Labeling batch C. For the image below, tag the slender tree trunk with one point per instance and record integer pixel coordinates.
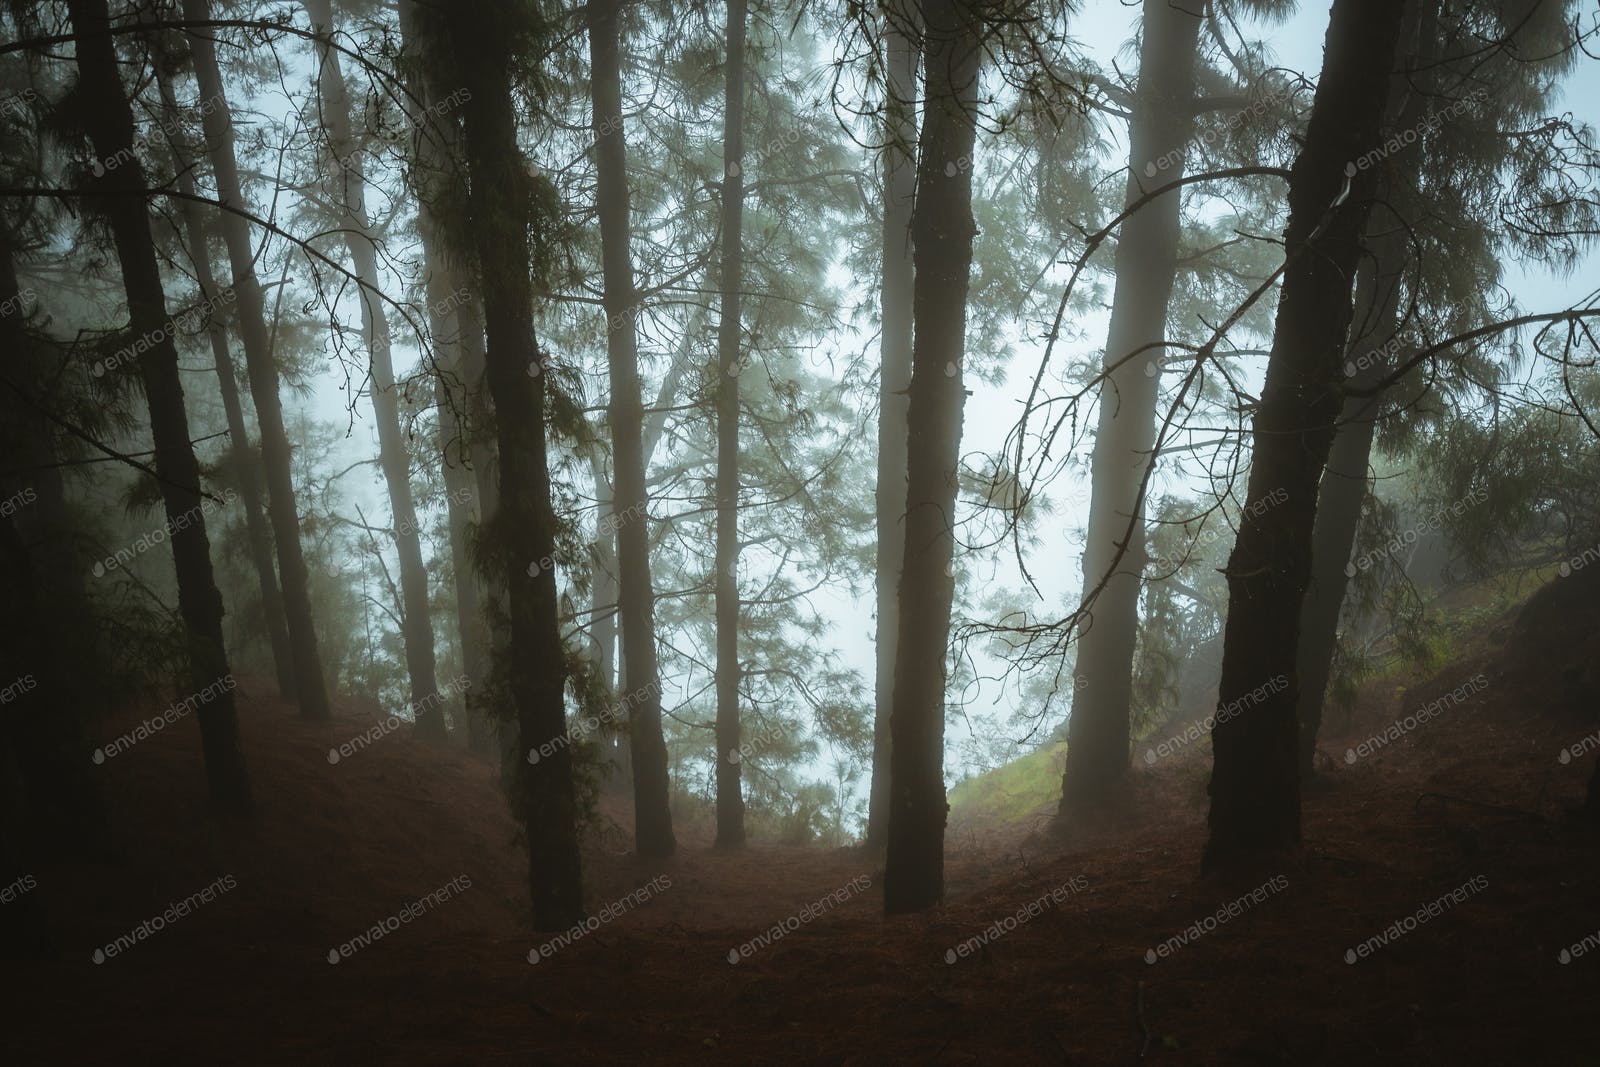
(652, 815)
(455, 457)
(111, 129)
(459, 386)
(349, 193)
(942, 231)
(245, 468)
(902, 47)
(730, 801)
(492, 703)
(1147, 264)
(1255, 782)
(484, 41)
(1369, 354)
(48, 701)
(604, 585)
(603, 592)
(262, 370)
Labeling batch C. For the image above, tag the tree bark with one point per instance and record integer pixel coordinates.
(1369, 353)
(1255, 786)
(262, 371)
(484, 41)
(730, 801)
(111, 129)
(902, 48)
(653, 835)
(349, 194)
(942, 232)
(245, 470)
(1146, 265)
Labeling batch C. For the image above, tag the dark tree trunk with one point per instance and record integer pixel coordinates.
(484, 42)
(1146, 265)
(245, 470)
(652, 816)
(111, 129)
(44, 761)
(262, 370)
(349, 185)
(1255, 782)
(459, 386)
(456, 456)
(902, 47)
(1369, 353)
(730, 801)
(942, 232)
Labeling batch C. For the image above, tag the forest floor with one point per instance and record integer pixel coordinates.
(1474, 802)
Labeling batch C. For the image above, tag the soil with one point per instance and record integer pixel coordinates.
(1474, 802)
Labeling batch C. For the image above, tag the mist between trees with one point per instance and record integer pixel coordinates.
(807, 425)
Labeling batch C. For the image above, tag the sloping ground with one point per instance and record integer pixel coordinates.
(1473, 801)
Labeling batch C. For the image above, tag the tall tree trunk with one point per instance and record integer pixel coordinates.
(484, 41)
(492, 703)
(456, 462)
(730, 801)
(1146, 264)
(942, 230)
(111, 129)
(349, 193)
(44, 760)
(902, 47)
(603, 591)
(245, 469)
(1369, 353)
(604, 585)
(1255, 782)
(652, 816)
(262, 371)
(459, 387)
